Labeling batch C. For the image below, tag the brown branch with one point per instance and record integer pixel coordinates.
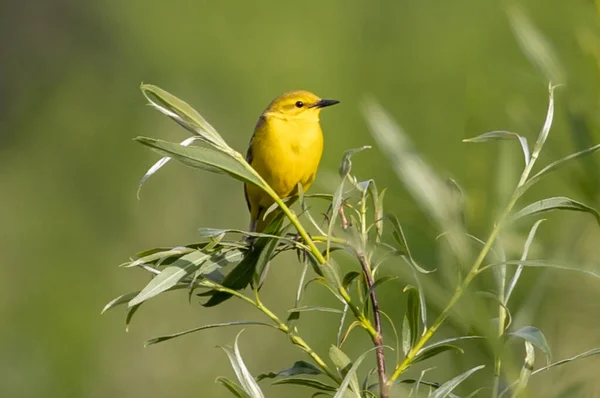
(384, 389)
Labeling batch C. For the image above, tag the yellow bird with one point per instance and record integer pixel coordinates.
(285, 150)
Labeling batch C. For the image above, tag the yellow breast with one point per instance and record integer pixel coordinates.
(285, 152)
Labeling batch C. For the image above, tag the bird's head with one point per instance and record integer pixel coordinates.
(298, 105)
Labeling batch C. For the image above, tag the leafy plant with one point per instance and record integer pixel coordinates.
(355, 223)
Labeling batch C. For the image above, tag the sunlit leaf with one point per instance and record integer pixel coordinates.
(349, 379)
(298, 368)
(517, 274)
(122, 299)
(160, 163)
(445, 389)
(204, 327)
(170, 276)
(555, 203)
(504, 135)
(203, 158)
(160, 255)
(246, 380)
(182, 113)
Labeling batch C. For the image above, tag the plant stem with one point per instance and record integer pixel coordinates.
(292, 335)
(377, 340)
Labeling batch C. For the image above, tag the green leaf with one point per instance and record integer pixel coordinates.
(122, 299)
(343, 363)
(406, 336)
(446, 388)
(351, 379)
(246, 380)
(318, 309)
(160, 163)
(153, 257)
(398, 234)
(346, 163)
(426, 353)
(589, 353)
(348, 278)
(259, 255)
(558, 164)
(233, 387)
(130, 313)
(378, 283)
(555, 203)
(183, 114)
(298, 368)
(542, 264)
(450, 340)
(170, 276)
(503, 135)
(413, 313)
(204, 158)
(204, 327)
(535, 337)
(300, 381)
(517, 274)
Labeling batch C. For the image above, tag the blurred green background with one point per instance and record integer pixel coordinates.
(70, 106)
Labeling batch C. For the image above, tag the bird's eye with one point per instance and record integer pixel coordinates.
(299, 104)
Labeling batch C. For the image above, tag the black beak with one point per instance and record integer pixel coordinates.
(325, 102)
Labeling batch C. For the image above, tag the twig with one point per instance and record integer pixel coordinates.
(377, 340)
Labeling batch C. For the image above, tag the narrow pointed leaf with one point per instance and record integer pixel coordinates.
(300, 381)
(504, 135)
(446, 388)
(317, 309)
(160, 163)
(170, 276)
(344, 364)
(515, 279)
(233, 387)
(426, 353)
(555, 203)
(560, 163)
(204, 327)
(182, 113)
(203, 158)
(298, 368)
(413, 313)
(246, 380)
(349, 379)
(122, 299)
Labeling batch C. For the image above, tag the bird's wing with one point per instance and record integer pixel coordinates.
(250, 157)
